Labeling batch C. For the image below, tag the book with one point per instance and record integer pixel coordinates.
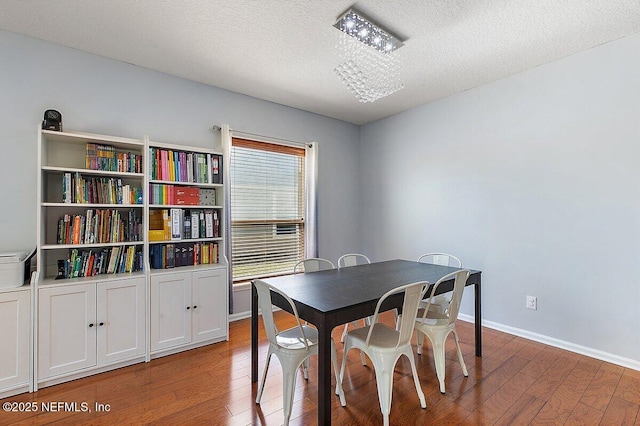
(113, 260)
(170, 255)
(67, 189)
(77, 224)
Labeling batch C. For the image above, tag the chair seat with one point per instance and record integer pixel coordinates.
(292, 338)
(382, 337)
(432, 318)
(432, 322)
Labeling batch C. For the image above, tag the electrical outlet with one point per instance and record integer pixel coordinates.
(532, 302)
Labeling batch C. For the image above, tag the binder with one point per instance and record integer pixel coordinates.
(176, 224)
(195, 224)
(216, 168)
(208, 220)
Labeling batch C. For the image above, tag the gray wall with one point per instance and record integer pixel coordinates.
(533, 179)
(99, 95)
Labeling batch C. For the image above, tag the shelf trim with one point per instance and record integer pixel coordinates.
(81, 246)
(60, 169)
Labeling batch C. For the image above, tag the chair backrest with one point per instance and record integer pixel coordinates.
(413, 294)
(313, 264)
(443, 259)
(451, 312)
(352, 259)
(264, 301)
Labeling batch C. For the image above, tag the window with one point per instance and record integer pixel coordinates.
(267, 209)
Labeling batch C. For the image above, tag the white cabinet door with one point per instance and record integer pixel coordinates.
(14, 350)
(209, 311)
(120, 319)
(67, 329)
(170, 310)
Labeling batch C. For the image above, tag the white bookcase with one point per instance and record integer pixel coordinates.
(188, 294)
(95, 299)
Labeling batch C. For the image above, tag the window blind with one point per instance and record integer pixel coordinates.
(267, 208)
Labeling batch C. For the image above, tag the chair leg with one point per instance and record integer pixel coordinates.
(264, 378)
(363, 358)
(439, 359)
(462, 364)
(344, 333)
(384, 380)
(334, 362)
(347, 347)
(305, 369)
(420, 339)
(288, 389)
(416, 379)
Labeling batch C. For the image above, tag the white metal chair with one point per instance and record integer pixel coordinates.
(313, 264)
(385, 345)
(441, 301)
(352, 259)
(292, 347)
(346, 260)
(437, 326)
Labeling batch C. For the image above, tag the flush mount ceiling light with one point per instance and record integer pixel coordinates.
(366, 31)
(368, 65)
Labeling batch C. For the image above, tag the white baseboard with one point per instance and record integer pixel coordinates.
(239, 316)
(557, 343)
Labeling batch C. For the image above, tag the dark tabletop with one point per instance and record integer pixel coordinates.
(336, 289)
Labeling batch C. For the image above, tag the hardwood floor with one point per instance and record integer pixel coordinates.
(516, 382)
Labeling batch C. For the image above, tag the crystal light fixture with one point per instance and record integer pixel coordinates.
(368, 65)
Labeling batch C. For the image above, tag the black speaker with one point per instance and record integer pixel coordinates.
(62, 271)
(52, 120)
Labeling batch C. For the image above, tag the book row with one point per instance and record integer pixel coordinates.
(109, 260)
(166, 194)
(183, 166)
(163, 256)
(80, 189)
(108, 158)
(178, 224)
(99, 226)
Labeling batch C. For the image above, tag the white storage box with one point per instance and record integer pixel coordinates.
(12, 269)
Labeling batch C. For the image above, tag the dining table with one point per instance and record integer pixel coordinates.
(335, 297)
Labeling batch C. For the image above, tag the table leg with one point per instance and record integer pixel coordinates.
(324, 375)
(254, 334)
(478, 317)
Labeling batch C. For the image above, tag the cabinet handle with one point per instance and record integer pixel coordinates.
(188, 307)
(90, 325)
(195, 306)
(101, 324)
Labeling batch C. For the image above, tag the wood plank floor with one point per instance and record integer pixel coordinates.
(516, 382)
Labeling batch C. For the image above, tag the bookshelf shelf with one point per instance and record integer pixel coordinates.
(90, 205)
(183, 206)
(201, 185)
(105, 278)
(55, 169)
(89, 246)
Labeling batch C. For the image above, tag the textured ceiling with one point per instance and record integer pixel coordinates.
(284, 51)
